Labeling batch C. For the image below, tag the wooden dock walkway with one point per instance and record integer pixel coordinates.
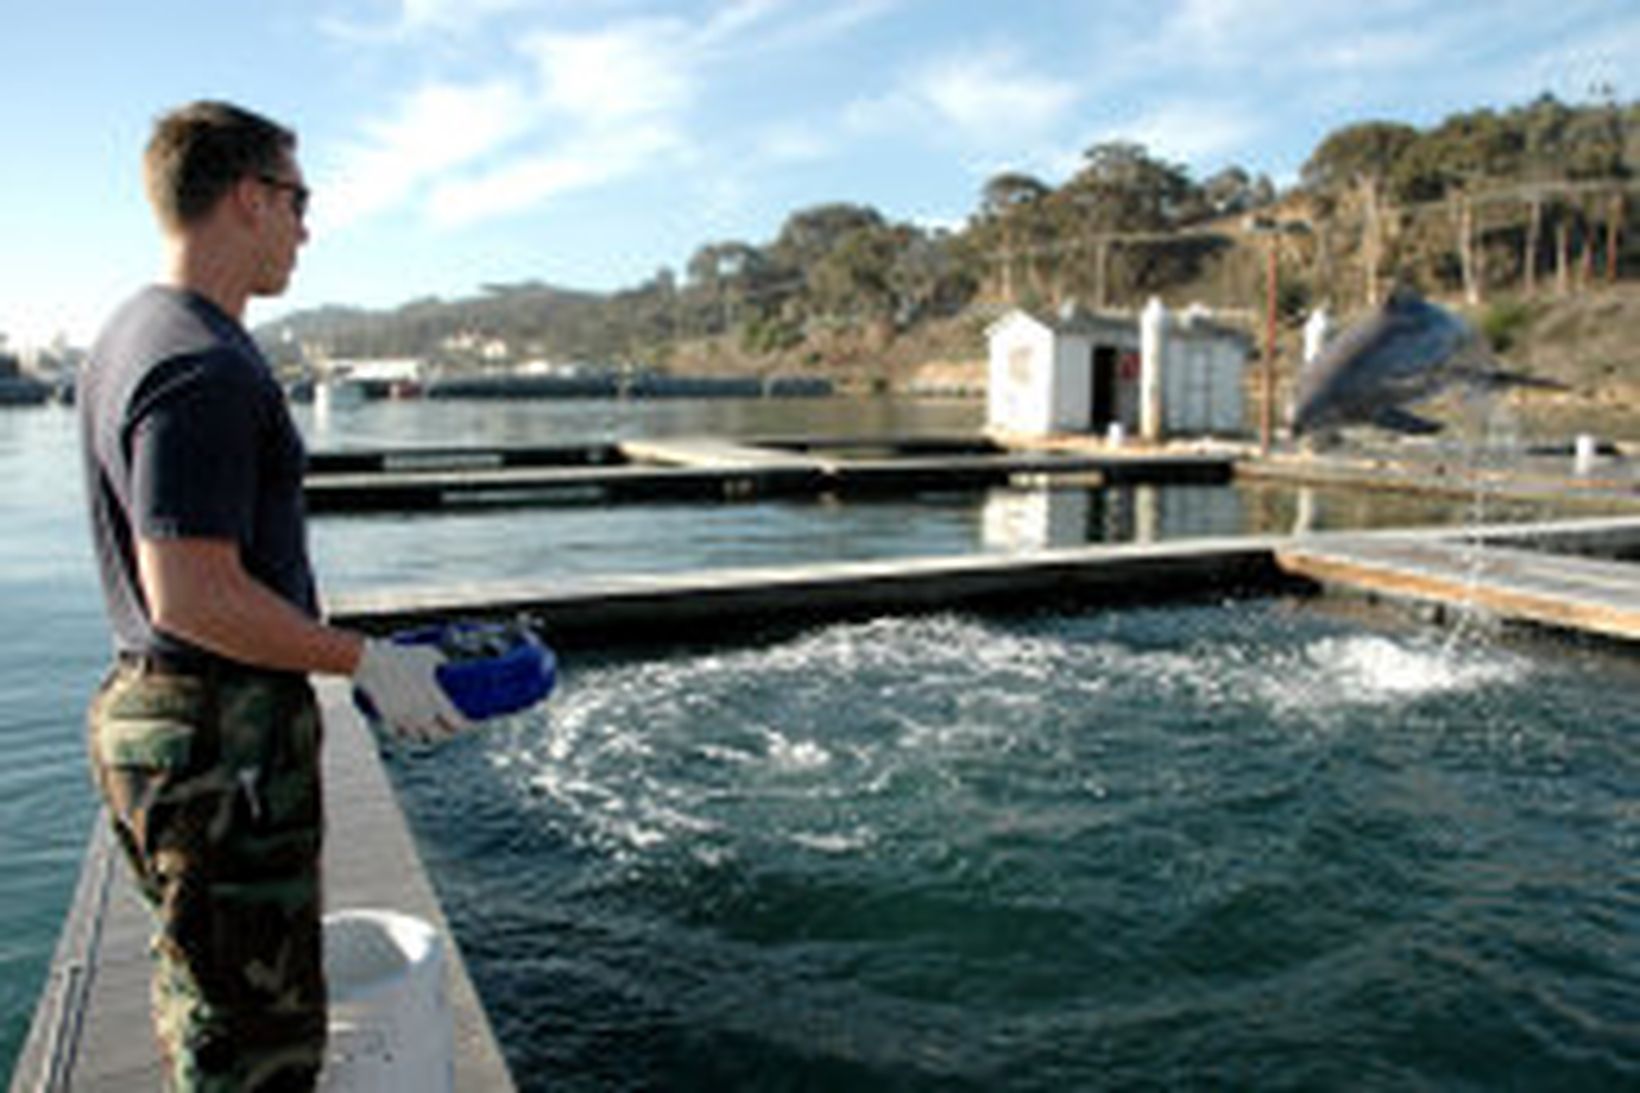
(707, 468)
(1581, 575)
(91, 1032)
(1615, 483)
(712, 605)
(1565, 591)
(91, 1029)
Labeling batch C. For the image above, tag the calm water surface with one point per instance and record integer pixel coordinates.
(52, 650)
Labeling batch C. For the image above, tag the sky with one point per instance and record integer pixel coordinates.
(453, 144)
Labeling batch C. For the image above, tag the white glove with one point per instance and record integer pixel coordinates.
(399, 681)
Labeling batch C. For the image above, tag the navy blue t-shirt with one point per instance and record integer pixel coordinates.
(186, 434)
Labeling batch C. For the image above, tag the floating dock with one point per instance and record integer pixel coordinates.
(710, 605)
(91, 1032)
(91, 1029)
(1611, 482)
(1576, 575)
(703, 468)
(1544, 587)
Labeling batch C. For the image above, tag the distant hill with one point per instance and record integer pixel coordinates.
(1504, 212)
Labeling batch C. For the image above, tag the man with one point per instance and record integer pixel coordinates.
(204, 738)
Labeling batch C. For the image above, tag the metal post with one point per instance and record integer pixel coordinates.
(1268, 403)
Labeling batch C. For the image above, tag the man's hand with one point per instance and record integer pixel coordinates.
(399, 681)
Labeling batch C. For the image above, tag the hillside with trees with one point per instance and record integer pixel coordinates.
(1501, 212)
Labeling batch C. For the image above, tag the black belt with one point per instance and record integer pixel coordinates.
(168, 664)
(197, 667)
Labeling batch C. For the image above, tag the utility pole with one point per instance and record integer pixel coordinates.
(1613, 226)
(1267, 404)
(1272, 230)
(1534, 226)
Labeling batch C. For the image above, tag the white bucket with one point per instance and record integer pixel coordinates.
(390, 1024)
(1115, 434)
(1585, 449)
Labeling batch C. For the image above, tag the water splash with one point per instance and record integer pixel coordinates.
(1490, 435)
(834, 740)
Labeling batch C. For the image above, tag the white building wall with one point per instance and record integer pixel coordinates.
(1202, 385)
(1019, 388)
(1072, 393)
(1189, 381)
(1230, 397)
(1153, 338)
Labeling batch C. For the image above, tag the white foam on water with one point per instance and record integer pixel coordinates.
(834, 842)
(1369, 670)
(795, 755)
(804, 742)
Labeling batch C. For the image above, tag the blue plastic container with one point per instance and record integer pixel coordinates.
(491, 686)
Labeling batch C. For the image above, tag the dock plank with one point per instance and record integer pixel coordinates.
(707, 603)
(1564, 591)
(713, 468)
(713, 452)
(92, 1031)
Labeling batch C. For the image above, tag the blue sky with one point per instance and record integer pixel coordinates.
(587, 143)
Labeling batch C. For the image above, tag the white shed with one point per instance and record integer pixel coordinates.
(1162, 375)
(1076, 374)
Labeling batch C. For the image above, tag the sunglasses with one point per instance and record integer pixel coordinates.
(299, 193)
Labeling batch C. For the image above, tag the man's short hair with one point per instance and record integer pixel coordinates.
(198, 152)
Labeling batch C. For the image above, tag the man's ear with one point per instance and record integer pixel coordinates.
(247, 200)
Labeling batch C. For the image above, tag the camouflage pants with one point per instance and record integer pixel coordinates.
(212, 782)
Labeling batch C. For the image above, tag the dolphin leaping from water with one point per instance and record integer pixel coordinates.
(1406, 351)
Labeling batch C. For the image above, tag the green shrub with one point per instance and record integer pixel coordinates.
(1504, 322)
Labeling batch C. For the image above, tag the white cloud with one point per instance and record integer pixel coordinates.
(739, 15)
(993, 93)
(987, 101)
(1300, 35)
(792, 143)
(433, 14)
(631, 70)
(586, 107)
(436, 129)
(822, 22)
(1198, 133)
(526, 182)
(1374, 51)
(418, 19)
(1574, 69)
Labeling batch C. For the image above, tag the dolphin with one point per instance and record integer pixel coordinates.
(1406, 351)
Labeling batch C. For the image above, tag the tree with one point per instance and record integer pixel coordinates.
(810, 234)
(1368, 150)
(1122, 187)
(852, 279)
(1011, 191)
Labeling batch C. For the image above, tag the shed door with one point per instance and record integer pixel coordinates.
(1102, 406)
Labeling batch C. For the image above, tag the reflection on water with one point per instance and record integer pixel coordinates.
(359, 552)
(56, 645)
(458, 423)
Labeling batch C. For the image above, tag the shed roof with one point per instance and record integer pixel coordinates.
(1081, 322)
(1078, 321)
